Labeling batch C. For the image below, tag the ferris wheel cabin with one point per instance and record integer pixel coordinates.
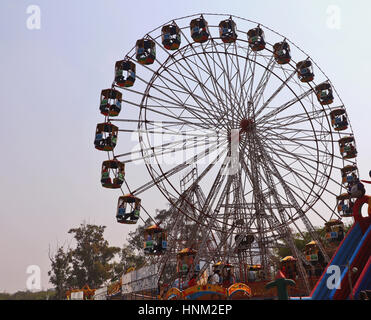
(311, 251)
(145, 51)
(155, 240)
(125, 73)
(185, 261)
(288, 267)
(347, 148)
(281, 52)
(305, 71)
(256, 39)
(128, 209)
(199, 30)
(114, 168)
(246, 241)
(110, 102)
(349, 174)
(105, 136)
(345, 205)
(324, 93)
(339, 119)
(334, 230)
(227, 31)
(170, 36)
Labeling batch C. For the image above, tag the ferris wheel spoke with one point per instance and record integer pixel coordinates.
(171, 102)
(305, 164)
(209, 72)
(240, 84)
(308, 148)
(173, 133)
(215, 81)
(275, 93)
(312, 208)
(177, 168)
(245, 94)
(170, 90)
(216, 78)
(186, 121)
(285, 106)
(163, 125)
(199, 84)
(265, 190)
(287, 167)
(296, 118)
(192, 110)
(194, 113)
(164, 149)
(240, 90)
(196, 54)
(251, 84)
(286, 130)
(293, 196)
(259, 91)
(236, 102)
(282, 123)
(227, 70)
(179, 85)
(230, 97)
(265, 204)
(298, 134)
(295, 155)
(179, 128)
(294, 140)
(282, 163)
(220, 118)
(284, 231)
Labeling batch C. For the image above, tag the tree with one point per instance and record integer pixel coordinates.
(302, 239)
(61, 272)
(90, 262)
(128, 259)
(91, 259)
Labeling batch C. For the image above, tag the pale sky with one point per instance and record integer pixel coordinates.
(51, 80)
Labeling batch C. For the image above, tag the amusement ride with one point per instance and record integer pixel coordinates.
(263, 145)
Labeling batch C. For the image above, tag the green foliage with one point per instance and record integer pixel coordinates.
(128, 259)
(91, 259)
(90, 262)
(302, 239)
(28, 295)
(61, 271)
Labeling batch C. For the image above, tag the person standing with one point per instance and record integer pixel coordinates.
(215, 278)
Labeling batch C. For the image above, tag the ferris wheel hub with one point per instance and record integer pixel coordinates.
(246, 125)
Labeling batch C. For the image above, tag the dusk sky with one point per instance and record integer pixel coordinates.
(51, 80)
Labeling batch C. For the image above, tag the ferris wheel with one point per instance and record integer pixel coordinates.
(237, 115)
